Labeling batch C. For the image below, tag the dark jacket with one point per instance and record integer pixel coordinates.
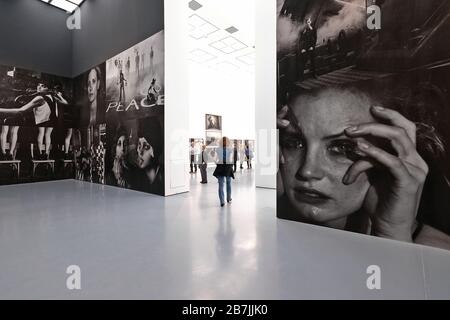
(308, 39)
(225, 165)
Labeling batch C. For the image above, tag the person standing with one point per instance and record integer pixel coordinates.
(137, 60)
(224, 169)
(192, 164)
(235, 156)
(122, 83)
(306, 49)
(203, 165)
(248, 156)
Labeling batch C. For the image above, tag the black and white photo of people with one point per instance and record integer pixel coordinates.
(136, 158)
(135, 80)
(135, 117)
(36, 113)
(89, 137)
(364, 118)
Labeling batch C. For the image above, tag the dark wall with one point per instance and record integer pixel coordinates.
(34, 37)
(108, 27)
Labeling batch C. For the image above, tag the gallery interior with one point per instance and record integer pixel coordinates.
(224, 149)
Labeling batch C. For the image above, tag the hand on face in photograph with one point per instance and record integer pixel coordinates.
(393, 199)
(330, 173)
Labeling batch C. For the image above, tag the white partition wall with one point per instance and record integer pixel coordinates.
(265, 100)
(176, 98)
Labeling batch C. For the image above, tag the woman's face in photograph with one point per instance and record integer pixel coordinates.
(41, 88)
(318, 154)
(121, 147)
(145, 153)
(93, 85)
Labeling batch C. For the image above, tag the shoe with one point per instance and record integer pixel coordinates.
(229, 201)
(8, 156)
(2, 156)
(203, 182)
(68, 156)
(222, 204)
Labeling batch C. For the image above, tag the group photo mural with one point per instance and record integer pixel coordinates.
(363, 113)
(36, 117)
(105, 126)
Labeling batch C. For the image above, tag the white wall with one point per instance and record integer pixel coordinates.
(230, 95)
(265, 112)
(176, 93)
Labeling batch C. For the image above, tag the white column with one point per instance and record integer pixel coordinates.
(176, 97)
(265, 100)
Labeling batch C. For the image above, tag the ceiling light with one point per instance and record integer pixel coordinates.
(194, 5)
(66, 5)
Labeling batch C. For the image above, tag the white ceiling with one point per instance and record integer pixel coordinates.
(211, 46)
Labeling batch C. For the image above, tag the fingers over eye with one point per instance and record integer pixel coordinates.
(394, 164)
(356, 169)
(396, 119)
(396, 135)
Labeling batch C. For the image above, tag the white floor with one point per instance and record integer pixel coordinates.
(131, 245)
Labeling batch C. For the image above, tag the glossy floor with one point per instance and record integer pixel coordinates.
(131, 245)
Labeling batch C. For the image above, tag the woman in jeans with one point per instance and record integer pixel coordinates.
(224, 169)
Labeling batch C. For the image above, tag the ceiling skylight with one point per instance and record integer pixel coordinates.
(66, 5)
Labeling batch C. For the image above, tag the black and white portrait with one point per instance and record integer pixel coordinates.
(364, 118)
(213, 122)
(90, 135)
(136, 158)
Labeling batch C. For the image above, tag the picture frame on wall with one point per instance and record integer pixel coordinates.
(213, 122)
(213, 139)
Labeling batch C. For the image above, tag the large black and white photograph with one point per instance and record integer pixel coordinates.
(364, 117)
(135, 117)
(89, 136)
(36, 111)
(213, 122)
(136, 157)
(135, 79)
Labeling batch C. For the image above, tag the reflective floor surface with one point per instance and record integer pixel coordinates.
(130, 245)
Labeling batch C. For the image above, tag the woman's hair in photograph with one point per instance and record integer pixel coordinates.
(121, 131)
(150, 129)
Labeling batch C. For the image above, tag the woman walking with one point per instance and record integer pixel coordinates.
(224, 169)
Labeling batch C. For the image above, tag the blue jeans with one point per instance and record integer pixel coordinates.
(221, 183)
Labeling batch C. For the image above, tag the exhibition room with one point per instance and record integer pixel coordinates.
(224, 149)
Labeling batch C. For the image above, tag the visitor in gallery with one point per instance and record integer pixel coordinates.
(248, 156)
(235, 155)
(203, 164)
(241, 156)
(193, 163)
(224, 169)
(347, 164)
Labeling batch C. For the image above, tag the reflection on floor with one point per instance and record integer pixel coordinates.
(133, 245)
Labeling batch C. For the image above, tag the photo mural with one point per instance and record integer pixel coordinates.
(37, 115)
(363, 113)
(105, 126)
(135, 117)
